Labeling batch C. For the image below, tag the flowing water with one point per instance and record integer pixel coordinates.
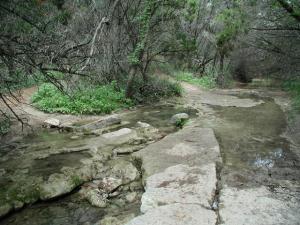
(253, 147)
(29, 157)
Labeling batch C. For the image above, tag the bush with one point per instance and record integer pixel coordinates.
(205, 81)
(154, 89)
(293, 87)
(93, 100)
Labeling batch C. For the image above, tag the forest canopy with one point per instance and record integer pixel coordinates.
(78, 44)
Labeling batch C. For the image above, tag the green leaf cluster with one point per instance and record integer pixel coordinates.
(94, 100)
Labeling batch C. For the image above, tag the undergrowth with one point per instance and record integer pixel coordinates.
(93, 100)
(204, 81)
(154, 89)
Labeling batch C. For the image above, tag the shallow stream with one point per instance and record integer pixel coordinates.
(25, 159)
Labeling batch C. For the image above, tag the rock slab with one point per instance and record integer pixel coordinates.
(258, 206)
(177, 214)
(181, 184)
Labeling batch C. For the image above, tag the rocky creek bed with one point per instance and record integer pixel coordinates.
(237, 162)
(82, 176)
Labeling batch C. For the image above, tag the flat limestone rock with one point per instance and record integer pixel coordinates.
(212, 97)
(192, 146)
(177, 214)
(121, 136)
(180, 184)
(102, 123)
(258, 206)
(118, 133)
(51, 122)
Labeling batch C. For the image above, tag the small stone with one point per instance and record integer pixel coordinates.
(75, 137)
(18, 205)
(96, 198)
(179, 117)
(51, 123)
(114, 194)
(116, 134)
(143, 125)
(131, 197)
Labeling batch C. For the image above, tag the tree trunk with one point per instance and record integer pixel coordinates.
(221, 76)
(129, 87)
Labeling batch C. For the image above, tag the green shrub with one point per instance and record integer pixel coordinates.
(154, 89)
(180, 123)
(293, 87)
(93, 100)
(205, 81)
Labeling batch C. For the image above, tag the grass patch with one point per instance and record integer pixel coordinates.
(293, 87)
(204, 81)
(93, 100)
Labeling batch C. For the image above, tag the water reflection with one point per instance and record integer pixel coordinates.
(268, 161)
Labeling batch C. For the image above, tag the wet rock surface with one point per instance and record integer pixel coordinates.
(181, 178)
(260, 176)
(178, 214)
(180, 184)
(99, 178)
(259, 206)
(52, 164)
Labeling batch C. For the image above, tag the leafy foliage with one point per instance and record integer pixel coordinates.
(180, 123)
(204, 81)
(155, 89)
(94, 100)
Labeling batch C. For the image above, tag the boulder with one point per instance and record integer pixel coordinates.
(57, 184)
(124, 170)
(179, 117)
(51, 123)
